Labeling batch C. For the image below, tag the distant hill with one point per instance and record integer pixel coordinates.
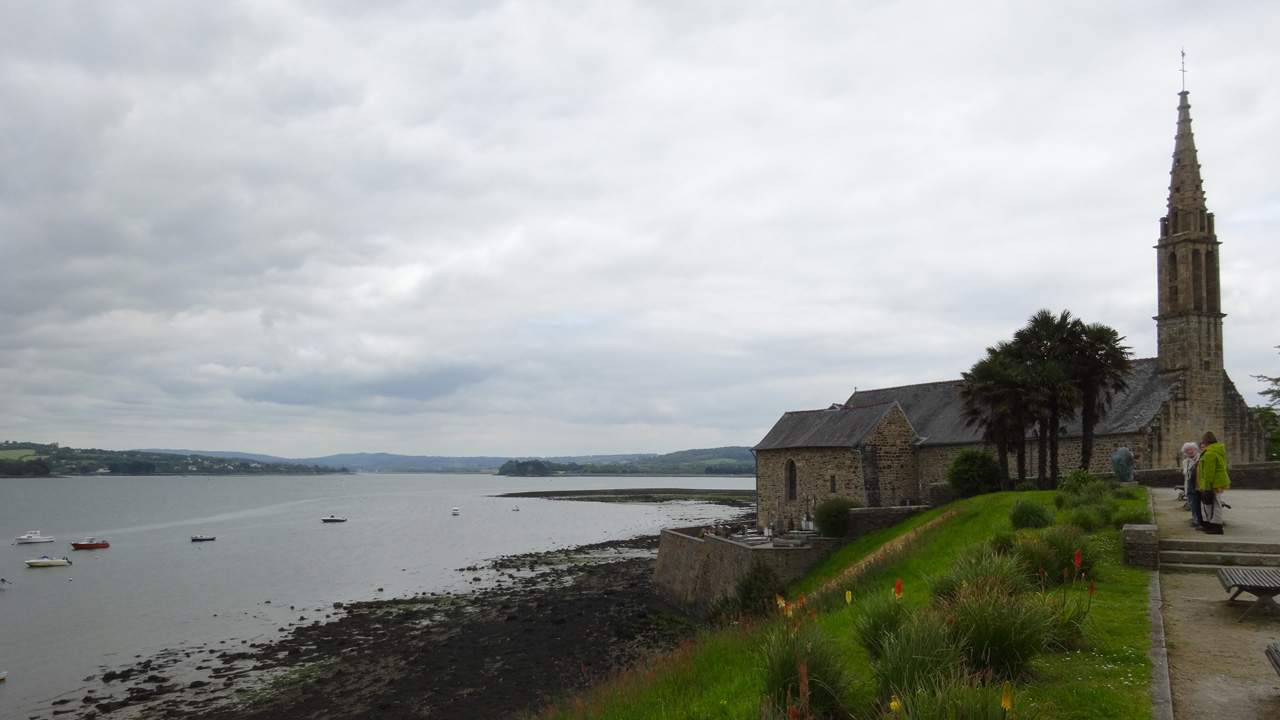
(726, 460)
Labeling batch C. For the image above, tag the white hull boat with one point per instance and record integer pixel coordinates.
(32, 536)
(46, 561)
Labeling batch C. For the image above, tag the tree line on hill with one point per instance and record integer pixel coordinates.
(714, 461)
(23, 459)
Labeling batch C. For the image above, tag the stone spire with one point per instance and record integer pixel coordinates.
(1186, 192)
(1189, 326)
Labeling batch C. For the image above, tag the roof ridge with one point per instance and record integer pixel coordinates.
(910, 385)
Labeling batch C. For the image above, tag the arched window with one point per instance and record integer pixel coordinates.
(791, 480)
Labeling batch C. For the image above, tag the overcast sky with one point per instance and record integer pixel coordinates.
(549, 228)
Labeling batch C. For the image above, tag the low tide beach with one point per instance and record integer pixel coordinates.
(500, 636)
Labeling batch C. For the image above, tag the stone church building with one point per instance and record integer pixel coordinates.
(887, 446)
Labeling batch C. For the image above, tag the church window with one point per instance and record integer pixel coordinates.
(1197, 281)
(1173, 267)
(791, 480)
(833, 484)
(1173, 220)
(1203, 222)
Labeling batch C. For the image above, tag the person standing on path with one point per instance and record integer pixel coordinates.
(1191, 459)
(1212, 480)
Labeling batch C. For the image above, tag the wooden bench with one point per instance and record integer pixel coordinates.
(1273, 654)
(1262, 583)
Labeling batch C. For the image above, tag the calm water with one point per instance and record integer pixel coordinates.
(154, 589)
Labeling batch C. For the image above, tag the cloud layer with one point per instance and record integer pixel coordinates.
(563, 228)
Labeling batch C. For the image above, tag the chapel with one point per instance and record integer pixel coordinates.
(888, 446)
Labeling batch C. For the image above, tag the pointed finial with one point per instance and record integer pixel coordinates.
(1184, 69)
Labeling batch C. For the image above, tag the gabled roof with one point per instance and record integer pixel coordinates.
(837, 426)
(934, 408)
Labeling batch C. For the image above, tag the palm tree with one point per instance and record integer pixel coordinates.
(995, 397)
(1102, 367)
(985, 395)
(1045, 345)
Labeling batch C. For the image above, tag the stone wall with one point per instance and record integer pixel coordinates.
(893, 440)
(864, 521)
(694, 573)
(1252, 476)
(933, 460)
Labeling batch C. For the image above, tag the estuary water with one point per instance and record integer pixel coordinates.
(155, 590)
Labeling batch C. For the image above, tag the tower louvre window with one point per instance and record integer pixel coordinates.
(791, 480)
(1197, 281)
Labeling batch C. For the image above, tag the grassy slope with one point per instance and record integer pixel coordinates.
(20, 454)
(716, 676)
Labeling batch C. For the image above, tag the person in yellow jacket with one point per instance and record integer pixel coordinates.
(1211, 479)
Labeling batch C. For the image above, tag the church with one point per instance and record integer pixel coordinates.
(888, 446)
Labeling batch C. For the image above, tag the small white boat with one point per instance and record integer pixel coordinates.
(46, 561)
(456, 511)
(203, 538)
(4, 674)
(32, 536)
(333, 518)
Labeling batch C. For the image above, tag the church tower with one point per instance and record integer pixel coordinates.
(1189, 326)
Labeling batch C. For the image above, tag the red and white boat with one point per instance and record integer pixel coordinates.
(90, 544)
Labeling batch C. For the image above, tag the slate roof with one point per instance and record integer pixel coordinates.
(837, 426)
(934, 408)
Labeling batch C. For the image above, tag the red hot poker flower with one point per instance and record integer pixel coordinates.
(897, 587)
(1076, 559)
(1091, 587)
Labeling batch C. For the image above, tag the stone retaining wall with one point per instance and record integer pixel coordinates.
(695, 573)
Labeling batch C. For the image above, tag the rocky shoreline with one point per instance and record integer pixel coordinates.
(563, 619)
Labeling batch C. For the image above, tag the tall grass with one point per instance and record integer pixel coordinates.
(996, 631)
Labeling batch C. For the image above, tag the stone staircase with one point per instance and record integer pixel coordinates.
(1210, 554)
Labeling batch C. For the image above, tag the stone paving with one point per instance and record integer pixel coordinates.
(1216, 665)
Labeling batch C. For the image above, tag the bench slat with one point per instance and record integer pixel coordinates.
(1273, 654)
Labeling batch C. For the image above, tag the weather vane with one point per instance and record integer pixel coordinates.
(1184, 69)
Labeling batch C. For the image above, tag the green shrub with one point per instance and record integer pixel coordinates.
(832, 516)
(981, 567)
(1131, 515)
(974, 472)
(1070, 606)
(755, 594)
(1093, 517)
(876, 616)
(1026, 486)
(1002, 542)
(916, 656)
(803, 666)
(1029, 514)
(1046, 554)
(997, 631)
(1075, 480)
(970, 699)
(1126, 493)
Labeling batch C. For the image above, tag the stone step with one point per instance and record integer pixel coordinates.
(1188, 567)
(1219, 558)
(1213, 544)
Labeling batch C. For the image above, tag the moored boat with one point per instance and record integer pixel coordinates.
(46, 561)
(4, 674)
(456, 511)
(203, 538)
(32, 536)
(333, 518)
(90, 543)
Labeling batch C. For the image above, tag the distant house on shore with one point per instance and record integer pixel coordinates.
(888, 446)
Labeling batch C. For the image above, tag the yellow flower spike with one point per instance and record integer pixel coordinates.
(848, 597)
(895, 704)
(1006, 696)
